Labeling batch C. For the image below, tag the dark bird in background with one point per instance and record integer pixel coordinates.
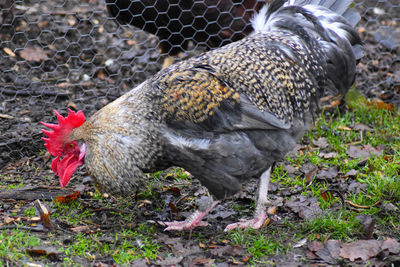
(210, 22)
(225, 116)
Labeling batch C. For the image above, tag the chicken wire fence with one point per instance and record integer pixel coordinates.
(74, 54)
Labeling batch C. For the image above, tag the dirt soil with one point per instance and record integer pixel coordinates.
(80, 59)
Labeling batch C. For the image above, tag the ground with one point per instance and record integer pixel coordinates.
(337, 195)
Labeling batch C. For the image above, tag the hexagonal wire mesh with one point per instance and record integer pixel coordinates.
(59, 54)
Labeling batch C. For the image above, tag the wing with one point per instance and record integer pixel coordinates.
(199, 98)
(217, 133)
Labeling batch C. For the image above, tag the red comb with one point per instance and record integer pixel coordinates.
(61, 131)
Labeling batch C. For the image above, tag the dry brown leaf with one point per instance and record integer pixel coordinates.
(330, 173)
(101, 75)
(310, 174)
(34, 54)
(392, 245)
(8, 220)
(173, 208)
(362, 127)
(368, 224)
(344, 128)
(363, 152)
(67, 198)
(321, 142)
(350, 173)
(43, 251)
(379, 104)
(63, 84)
(9, 52)
(81, 229)
(360, 249)
(315, 246)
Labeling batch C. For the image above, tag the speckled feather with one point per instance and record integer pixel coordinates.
(227, 115)
(256, 66)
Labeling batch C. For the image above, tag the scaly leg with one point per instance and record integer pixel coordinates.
(192, 221)
(260, 215)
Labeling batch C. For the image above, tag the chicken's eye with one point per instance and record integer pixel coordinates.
(71, 145)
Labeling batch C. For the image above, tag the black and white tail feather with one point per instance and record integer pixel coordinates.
(329, 22)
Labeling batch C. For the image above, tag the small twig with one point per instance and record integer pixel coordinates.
(362, 206)
(97, 241)
(92, 223)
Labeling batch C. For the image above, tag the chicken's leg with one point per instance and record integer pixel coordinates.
(193, 220)
(260, 214)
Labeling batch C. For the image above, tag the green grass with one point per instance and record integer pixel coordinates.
(124, 247)
(13, 244)
(380, 176)
(341, 225)
(258, 244)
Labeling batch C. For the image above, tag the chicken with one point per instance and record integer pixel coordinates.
(225, 116)
(211, 22)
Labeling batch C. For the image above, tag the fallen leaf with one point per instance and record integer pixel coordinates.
(8, 220)
(363, 152)
(290, 169)
(379, 104)
(334, 247)
(246, 259)
(368, 225)
(306, 207)
(9, 52)
(344, 128)
(392, 245)
(300, 243)
(173, 208)
(362, 127)
(321, 142)
(203, 261)
(80, 229)
(315, 246)
(43, 251)
(327, 195)
(329, 155)
(330, 173)
(63, 84)
(169, 261)
(101, 75)
(356, 187)
(309, 171)
(228, 250)
(66, 198)
(350, 173)
(34, 54)
(330, 252)
(175, 191)
(360, 249)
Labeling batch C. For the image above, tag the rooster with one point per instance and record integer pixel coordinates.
(211, 22)
(225, 116)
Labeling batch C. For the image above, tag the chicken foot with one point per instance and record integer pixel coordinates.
(193, 220)
(260, 214)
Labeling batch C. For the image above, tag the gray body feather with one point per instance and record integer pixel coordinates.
(227, 115)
